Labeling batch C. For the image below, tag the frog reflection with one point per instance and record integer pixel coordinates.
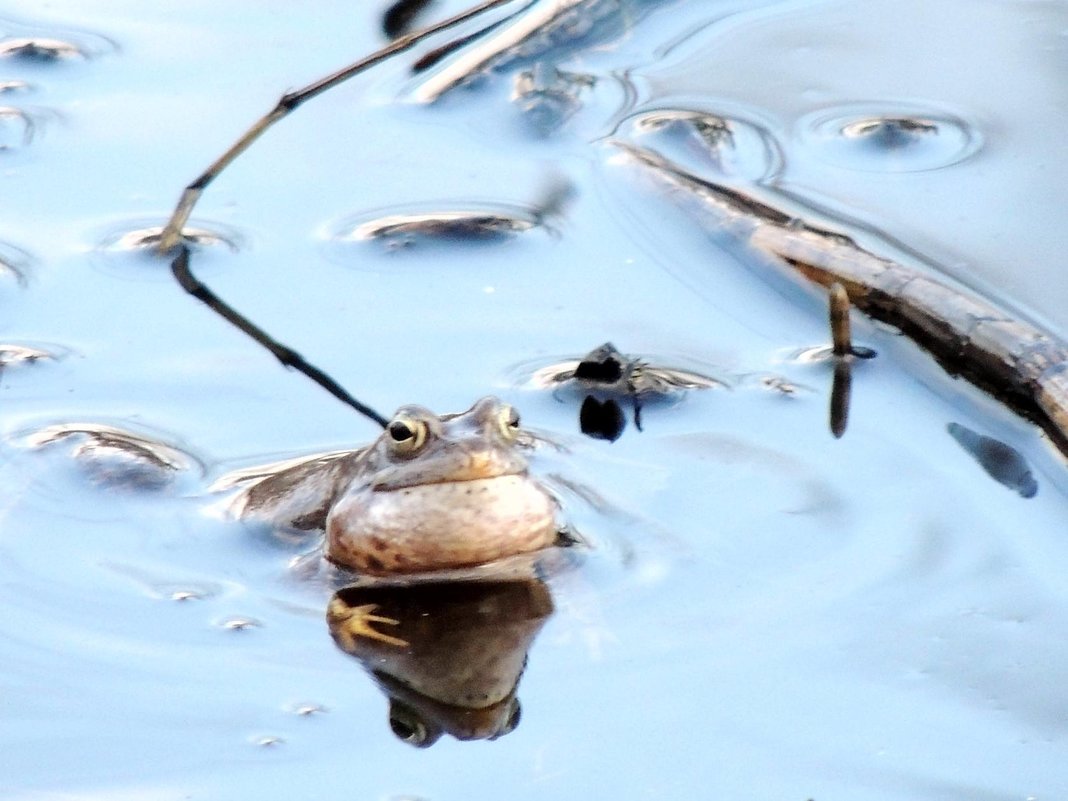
(447, 654)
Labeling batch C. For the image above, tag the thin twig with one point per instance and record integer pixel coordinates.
(172, 232)
(286, 355)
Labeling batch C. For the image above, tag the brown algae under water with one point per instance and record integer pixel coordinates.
(764, 609)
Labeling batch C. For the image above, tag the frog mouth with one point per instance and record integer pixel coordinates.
(398, 483)
(460, 468)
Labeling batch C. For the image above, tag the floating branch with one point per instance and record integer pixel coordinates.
(1019, 363)
(171, 238)
(172, 232)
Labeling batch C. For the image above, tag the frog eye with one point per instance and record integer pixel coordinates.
(409, 726)
(406, 434)
(508, 421)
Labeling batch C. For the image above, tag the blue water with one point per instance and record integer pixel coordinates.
(769, 612)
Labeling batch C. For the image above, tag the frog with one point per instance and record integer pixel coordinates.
(432, 493)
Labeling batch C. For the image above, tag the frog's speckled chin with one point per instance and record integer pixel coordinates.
(440, 526)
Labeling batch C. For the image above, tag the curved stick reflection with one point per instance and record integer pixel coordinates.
(447, 654)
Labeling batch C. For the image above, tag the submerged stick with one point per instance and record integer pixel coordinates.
(172, 232)
(286, 355)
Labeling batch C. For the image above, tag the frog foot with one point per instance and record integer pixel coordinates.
(354, 622)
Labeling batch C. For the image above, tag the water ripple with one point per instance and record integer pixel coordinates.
(14, 262)
(128, 249)
(17, 128)
(705, 143)
(49, 45)
(888, 137)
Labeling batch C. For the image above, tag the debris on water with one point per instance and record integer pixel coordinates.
(554, 26)
(117, 457)
(548, 96)
(705, 143)
(268, 741)
(785, 387)
(40, 49)
(401, 230)
(875, 138)
(473, 223)
(605, 376)
(606, 368)
(306, 710)
(23, 354)
(1002, 462)
(239, 623)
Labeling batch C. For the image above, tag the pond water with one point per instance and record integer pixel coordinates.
(765, 611)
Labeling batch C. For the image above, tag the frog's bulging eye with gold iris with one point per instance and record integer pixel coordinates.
(406, 434)
(508, 422)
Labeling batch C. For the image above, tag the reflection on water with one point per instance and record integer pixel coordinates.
(1002, 462)
(774, 612)
(448, 655)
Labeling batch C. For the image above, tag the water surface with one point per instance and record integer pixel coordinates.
(767, 611)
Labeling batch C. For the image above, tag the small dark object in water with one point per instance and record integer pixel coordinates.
(602, 419)
(601, 366)
(605, 371)
(398, 18)
(1002, 462)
